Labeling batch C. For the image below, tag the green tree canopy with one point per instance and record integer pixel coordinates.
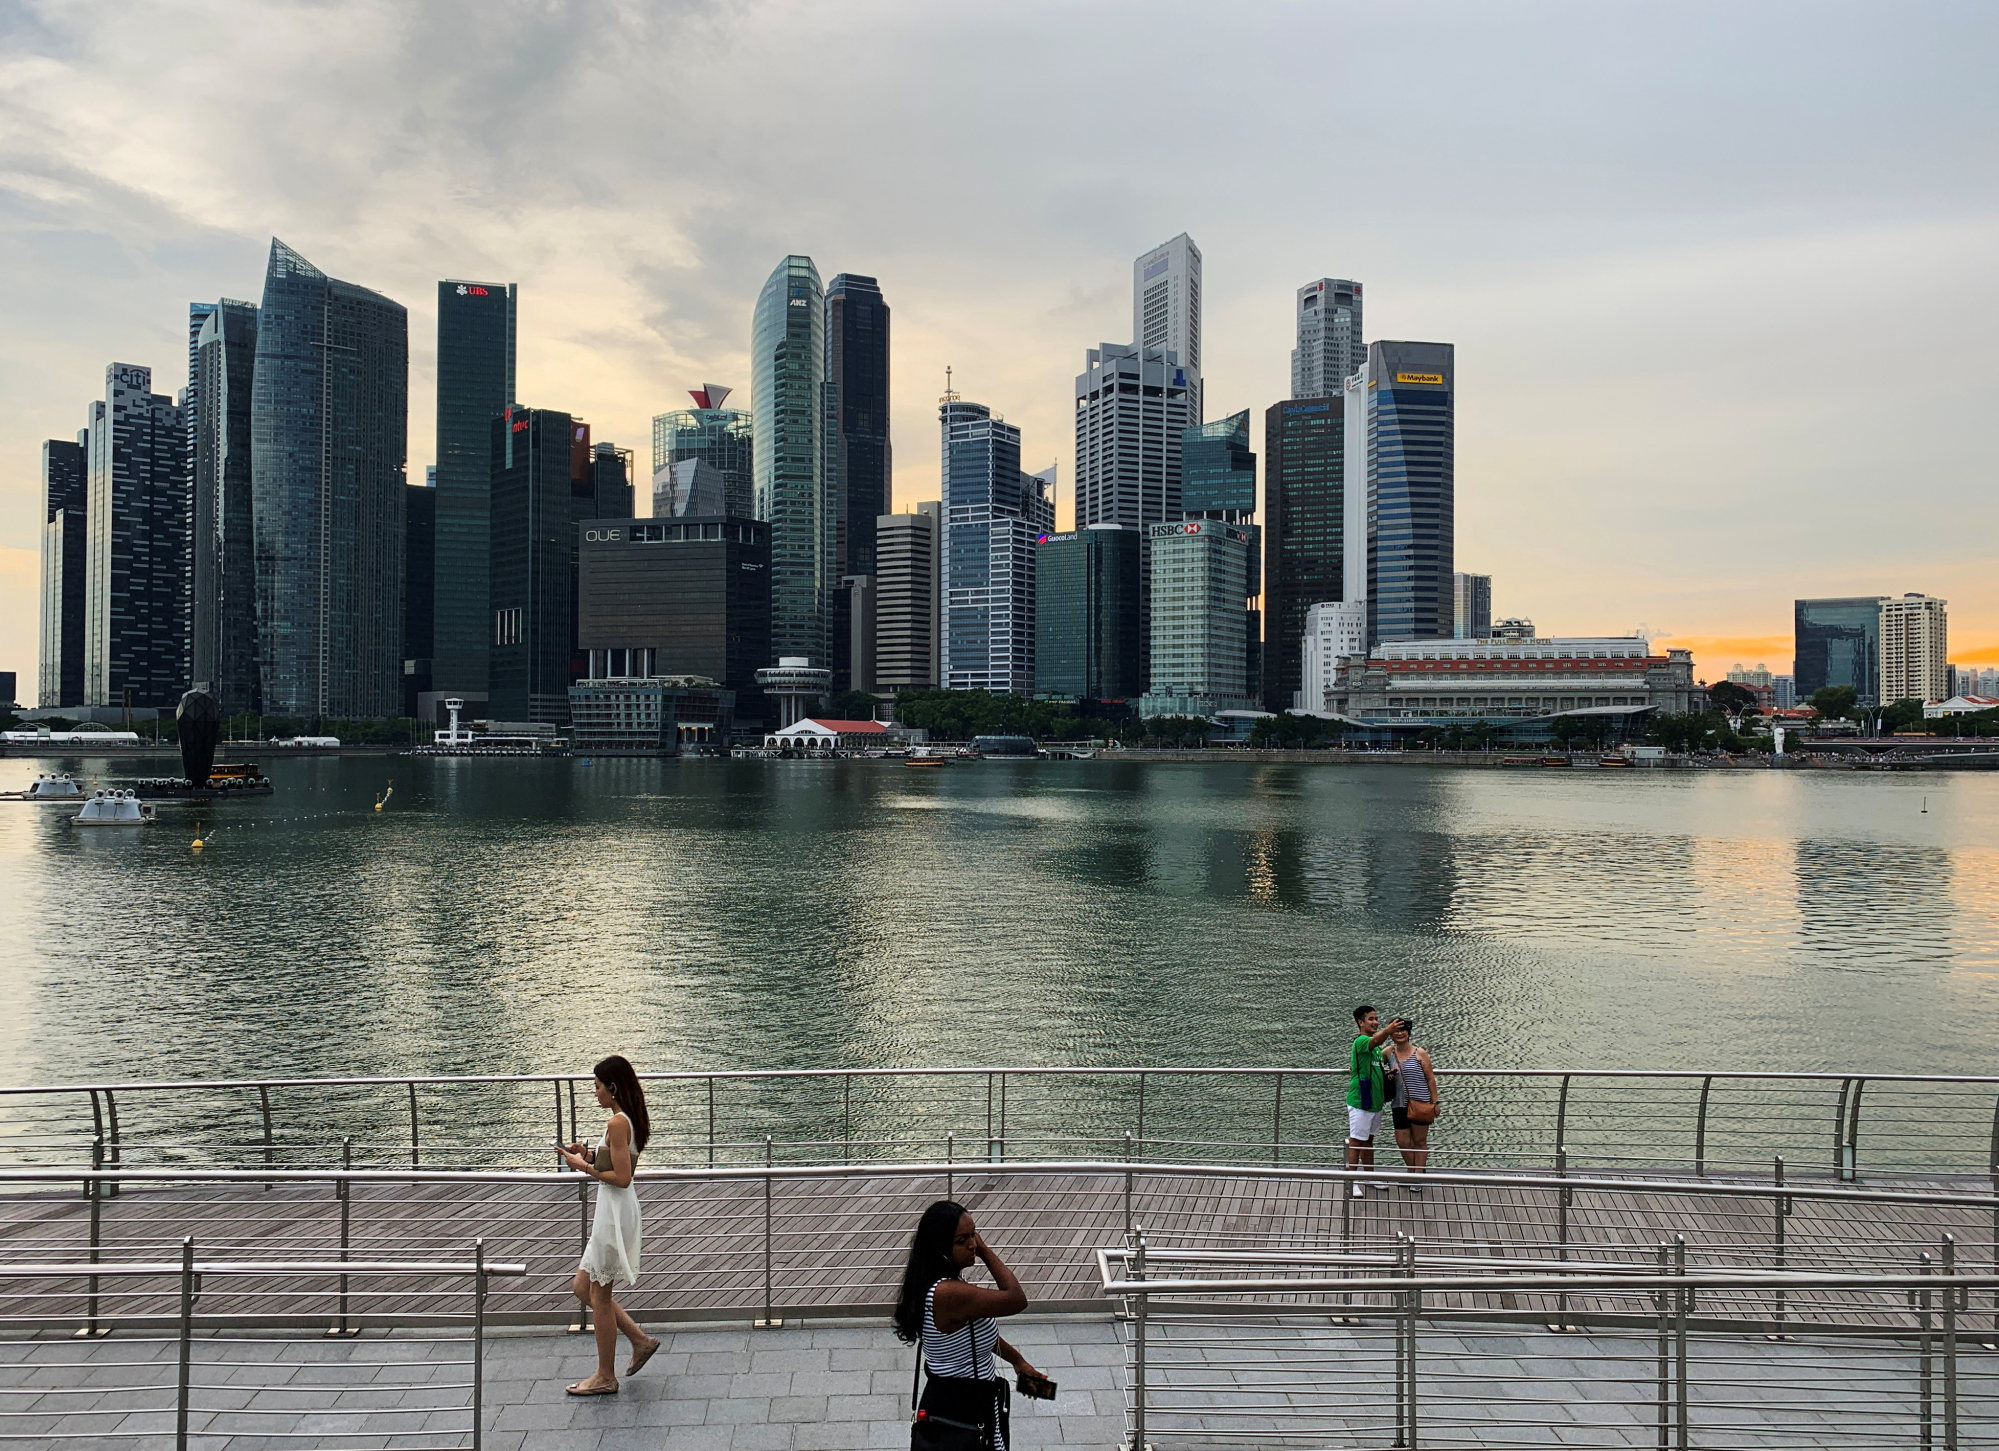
(1903, 715)
(958, 715)
(1835, 702)
(1731, 697)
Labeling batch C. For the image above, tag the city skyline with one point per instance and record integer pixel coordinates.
(1622, 309)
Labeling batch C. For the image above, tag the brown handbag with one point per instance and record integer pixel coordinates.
(1420, 1111)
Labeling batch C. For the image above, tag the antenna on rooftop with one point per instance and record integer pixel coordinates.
(950, 396)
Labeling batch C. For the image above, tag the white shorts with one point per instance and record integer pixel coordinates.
(1360, 1123)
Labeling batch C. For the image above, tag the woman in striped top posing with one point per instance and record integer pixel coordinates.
(956, 1322)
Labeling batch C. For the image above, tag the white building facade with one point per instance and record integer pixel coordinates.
(1915, 649)
(1330, 348)
(1166, 308)
(1335, 631)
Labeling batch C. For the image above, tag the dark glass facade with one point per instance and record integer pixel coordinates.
(1304, 523)
(476, 325)
(136, 563)
(65, 495)
(722, 438)
(1218, 470)
(546, 477)
(684, 596)
(1411, 491)
(419, 619)
(225, 565)
(857, 337)
(1838, 642)
(329, 417)
(1089, 629)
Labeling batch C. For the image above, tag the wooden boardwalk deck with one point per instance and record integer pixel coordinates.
(836, 1245)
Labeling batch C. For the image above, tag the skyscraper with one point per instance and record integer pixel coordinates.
(788, 378)
(476, 327)
(224, 574)
(1166, 309)
(1330, 348)
(857, 372)
(419, 593)
(1838, 642)
(1915, 649)
(722, 438)
(908, 570)
(1132, 411)
(993, 514)
(1305, 531)
(1406, 402)
(1218, 481)
(547, 478)
(329, 417)
(1199, 657)
(1087, 621)
(65, 542)
(135, 639)
(1471, 606)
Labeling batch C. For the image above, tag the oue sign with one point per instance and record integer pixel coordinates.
(603, 536)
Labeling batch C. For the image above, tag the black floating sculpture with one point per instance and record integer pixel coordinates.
(199, 717)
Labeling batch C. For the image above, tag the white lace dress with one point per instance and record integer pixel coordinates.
(612, 1255)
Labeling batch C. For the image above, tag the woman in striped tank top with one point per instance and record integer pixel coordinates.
(956, 1322)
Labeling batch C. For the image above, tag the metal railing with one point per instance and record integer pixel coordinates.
(1410, 1348)
(776, 1240)
(1695, 1122)
(189, 1366)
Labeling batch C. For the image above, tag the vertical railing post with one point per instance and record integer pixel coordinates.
(1139, 1307)
(1780, 1214)
(343, 1192)
(1412, 1310)
(1564, 1198)
(1995, 1132)
(413, 1125)
(560, 1136)
(1562, 1128)
(1660, 1301)
(1681, 1304)
(1839, 1129)
(950, 1164)
(1950, 1309)
(1277, 1122)
(769, 1320)
(847, 1119)
(117, 1146)
(1127, 1184)
(264, 1098)
(711, 1120)
(96, 1132)
(1925, 1364)
(94, 1188)
(186, 1342)
(478, 1342)
(1850, 1157)
(1700, 1129)
(1346, 1247)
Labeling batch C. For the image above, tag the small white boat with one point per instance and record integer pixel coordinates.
(113, 808)
(48, 787)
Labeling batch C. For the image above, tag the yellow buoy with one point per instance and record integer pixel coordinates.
(197, 843)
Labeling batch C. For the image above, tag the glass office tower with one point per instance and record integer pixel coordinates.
(224, 608)
(788, 397)
(476, 327)
(1411, 483)
(857, 336)
(135, 626)
(1838, 642)
(1087, 621)
(1304, 524)
(329, 417)
(65, 494)
(722, 438)
(993, 516)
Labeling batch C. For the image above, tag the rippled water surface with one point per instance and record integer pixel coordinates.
(504, 916)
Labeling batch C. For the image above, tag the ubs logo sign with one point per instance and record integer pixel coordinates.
(465, 289)
(603, 536)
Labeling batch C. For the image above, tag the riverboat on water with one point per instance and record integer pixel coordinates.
(48, 786)
(113, 808)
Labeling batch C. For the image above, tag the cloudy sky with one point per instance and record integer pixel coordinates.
(1721, 277)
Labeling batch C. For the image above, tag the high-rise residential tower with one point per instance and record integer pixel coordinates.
(993, 516)
(1166, 309)
(1471, 606)
(788, 396)
(65, 542)
(1305, 547)
(224, 574)
(722, 438)
(329, 422)
(1915, 649)
(476, 327)
(1406, 403)
(1330, 348)
(908, 572)
(136, 565)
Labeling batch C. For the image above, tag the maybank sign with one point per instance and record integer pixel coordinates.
(1419, 377)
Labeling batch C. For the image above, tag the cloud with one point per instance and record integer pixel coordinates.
(1715, 303)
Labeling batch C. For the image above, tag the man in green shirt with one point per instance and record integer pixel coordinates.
(1367, 1086)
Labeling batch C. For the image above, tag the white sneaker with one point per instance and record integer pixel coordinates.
(1358, 1190)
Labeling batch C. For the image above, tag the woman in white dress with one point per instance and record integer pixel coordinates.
(612, 1255)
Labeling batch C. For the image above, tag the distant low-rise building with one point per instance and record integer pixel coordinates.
(650, 716)
(1960, 705)
(811, 736)
(1335, 632)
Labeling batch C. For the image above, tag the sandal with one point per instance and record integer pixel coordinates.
(580, 1389)
(640, 1357)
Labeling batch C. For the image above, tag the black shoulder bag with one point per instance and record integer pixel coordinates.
(931, 1431)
